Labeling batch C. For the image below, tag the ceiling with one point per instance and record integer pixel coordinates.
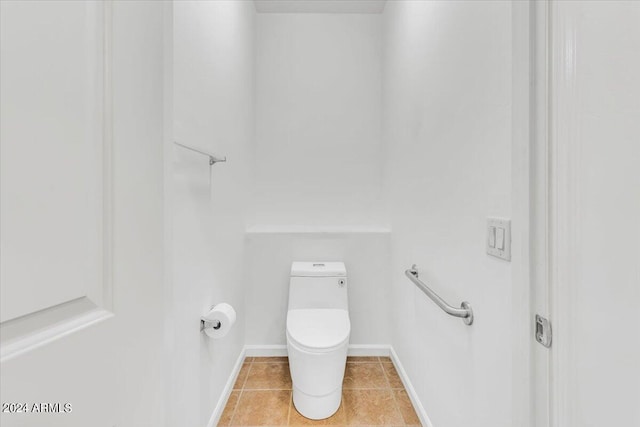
(319, 6)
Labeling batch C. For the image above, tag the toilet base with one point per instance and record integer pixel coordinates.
(317, 407)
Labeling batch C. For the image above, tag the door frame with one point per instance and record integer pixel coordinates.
(532, 216)
(552, 198)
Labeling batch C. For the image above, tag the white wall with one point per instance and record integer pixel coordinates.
(269, 256)
(138, 158)
(318, 105)
(318, 167)
(447, 94)
(596, 135)
(213, 98)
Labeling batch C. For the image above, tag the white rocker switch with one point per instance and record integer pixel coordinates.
(492, 237)
(499, 238)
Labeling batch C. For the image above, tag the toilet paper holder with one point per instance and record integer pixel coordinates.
(204, 322)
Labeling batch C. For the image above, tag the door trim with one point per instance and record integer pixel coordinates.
(564, 220)
(522, 191)
(531, 204)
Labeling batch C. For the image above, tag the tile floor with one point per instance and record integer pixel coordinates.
(373, 395)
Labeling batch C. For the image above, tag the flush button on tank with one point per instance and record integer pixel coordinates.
(341, 282)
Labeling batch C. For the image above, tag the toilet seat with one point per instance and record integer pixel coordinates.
(318, 330)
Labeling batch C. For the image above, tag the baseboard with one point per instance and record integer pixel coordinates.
(369, 350)
(281, 350)
(417, 405)
(226, 392)
(354, 350)
(265, 350)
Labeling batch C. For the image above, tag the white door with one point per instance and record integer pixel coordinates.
(81, 219)
(590, 219)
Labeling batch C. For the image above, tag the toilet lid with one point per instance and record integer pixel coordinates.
(318, 328)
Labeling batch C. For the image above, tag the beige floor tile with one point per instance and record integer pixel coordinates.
(373, 395)
(337, 419)
(406, 408)
(392, 375)
(371, 407)
(229, 408)
(262, 408)
(364, 375)
(362, 359)
(272, 359)
(242, 376)
(272, 375)
(385, 359)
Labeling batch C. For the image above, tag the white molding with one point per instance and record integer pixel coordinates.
(524, 129)
(354, 350)
(369, 350)
(274, 350)
(521, 134)
(226, 392)
(316, 229)
(171, 412)
(564, 218)
(364, 7)
(415, 400)
(107, 158)
(29, 334)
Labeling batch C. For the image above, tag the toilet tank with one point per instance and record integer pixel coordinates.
(318, 285)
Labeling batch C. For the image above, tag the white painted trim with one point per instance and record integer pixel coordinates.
(539, 210)
(369, 350)
(107, 159)
(281, 350)
(307, 229)
(525, 88)
(365, 7)
(171, 412)
(265, 350)
(417, 405)
(226, 392)
(565, 220)
(37, 338)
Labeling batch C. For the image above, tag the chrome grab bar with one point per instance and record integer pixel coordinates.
(465, 311)
(212, 159)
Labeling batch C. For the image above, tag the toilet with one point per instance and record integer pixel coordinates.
(318, 329)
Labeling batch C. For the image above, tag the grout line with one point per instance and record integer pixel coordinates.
(240, 390)
(268, 389)
(343, 403)
(393, 396)
(387, 376)
(384, 374)
(235, 409)
(246, 377)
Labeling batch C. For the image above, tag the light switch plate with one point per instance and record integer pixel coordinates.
(493, 225)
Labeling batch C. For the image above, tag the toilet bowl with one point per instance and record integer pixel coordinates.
(318, 329)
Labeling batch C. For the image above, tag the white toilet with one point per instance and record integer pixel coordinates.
(318, 330)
